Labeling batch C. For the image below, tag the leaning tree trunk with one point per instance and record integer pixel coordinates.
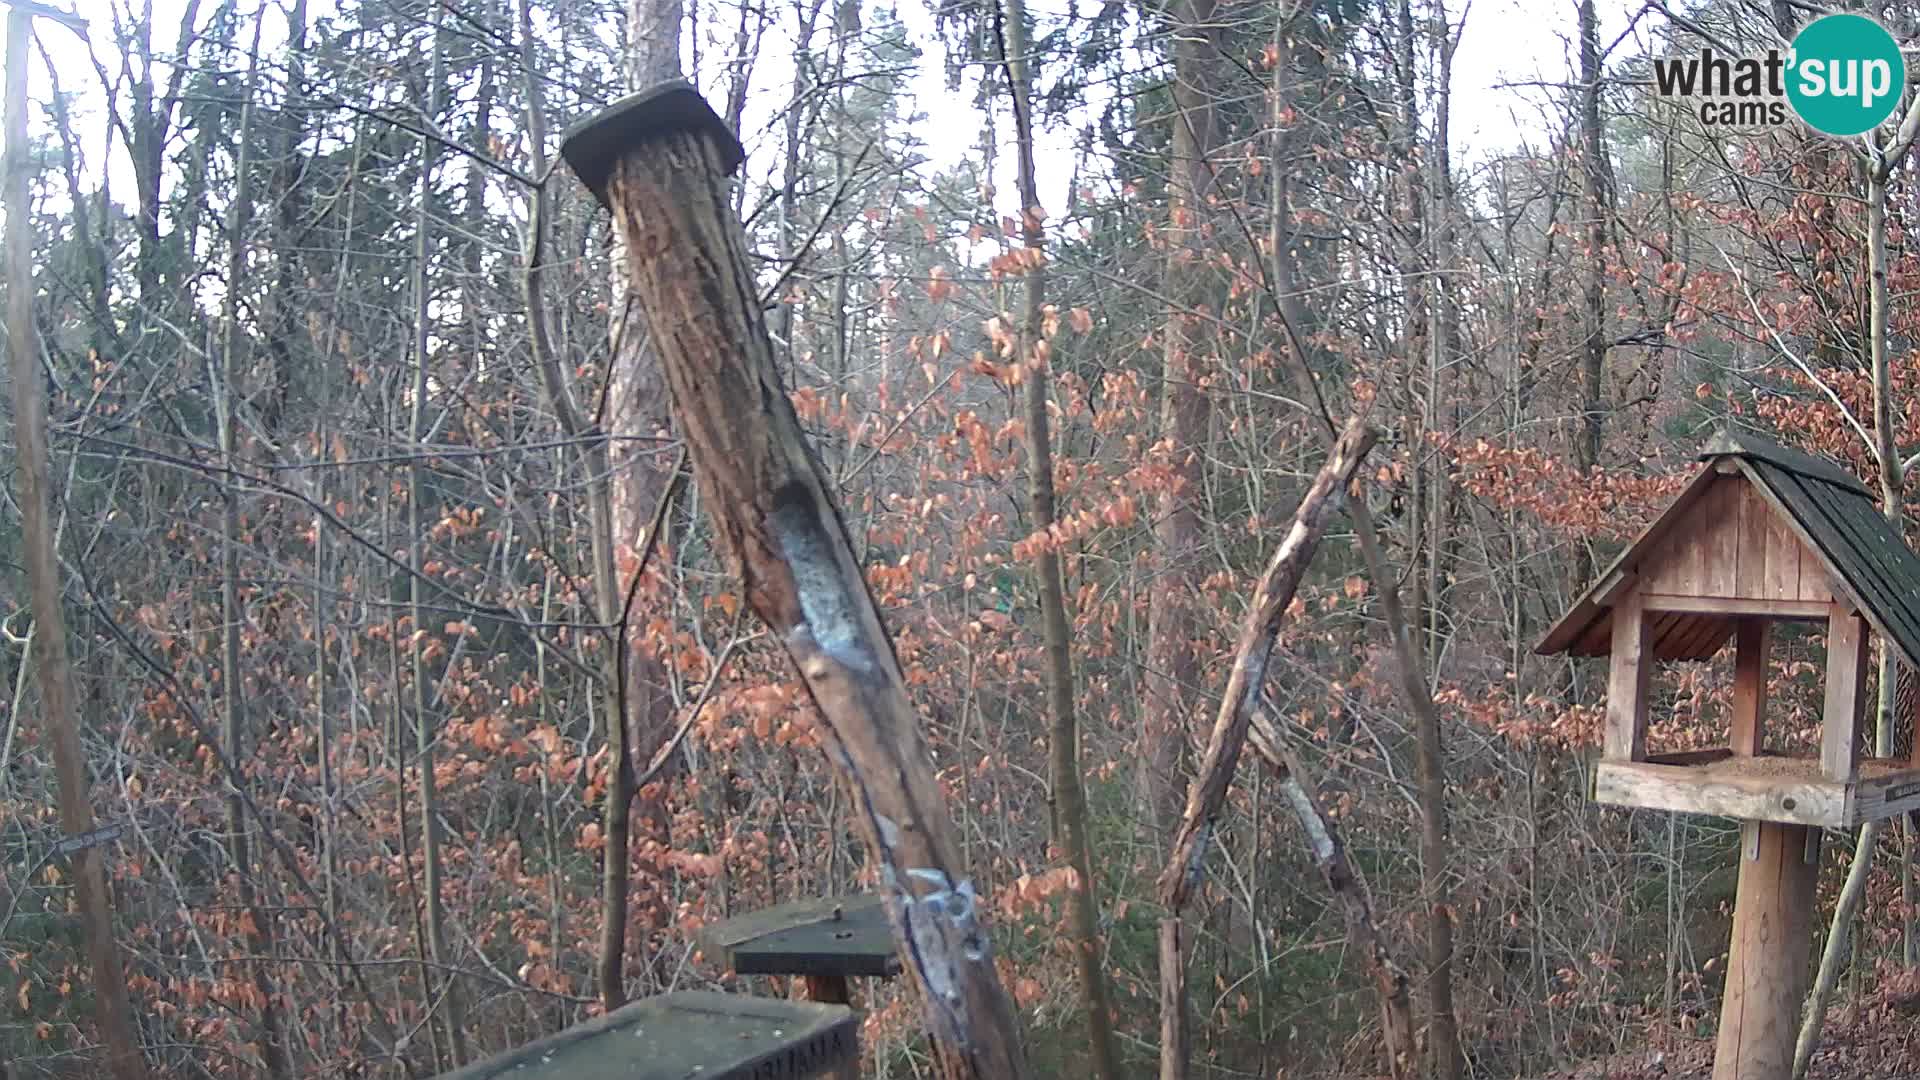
(1186, 862)
(661, 161)
(1330, 858)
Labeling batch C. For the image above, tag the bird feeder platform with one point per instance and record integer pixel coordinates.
(686, 1035)
(824, 941)
(1761, 534)
(1764, 787)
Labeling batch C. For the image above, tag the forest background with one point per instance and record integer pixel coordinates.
(385, 605)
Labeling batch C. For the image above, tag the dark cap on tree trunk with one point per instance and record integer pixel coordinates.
(594, 144)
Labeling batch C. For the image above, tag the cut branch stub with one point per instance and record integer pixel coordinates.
(666, 157)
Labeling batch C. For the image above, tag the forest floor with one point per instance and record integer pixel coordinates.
(1879, 1041)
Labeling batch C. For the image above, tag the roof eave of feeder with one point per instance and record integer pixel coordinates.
(1831, 512)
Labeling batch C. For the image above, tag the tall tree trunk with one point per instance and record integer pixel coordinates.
(323, 598)
(1185, 416)
(800, 112)
(637, 426)
(1410, 672)
(323, 704)
(1408, 632)
(1595, 199)
(451, 1014)
(53, 668)
(1390, 982)
(283, 315)
(1443, 1032)
(1033, 352)
(1415, 271)
(259, 935)
(636, 706)
(628, 477)
(1443, 335)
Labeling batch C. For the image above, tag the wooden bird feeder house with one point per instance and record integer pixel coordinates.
(1760, 534)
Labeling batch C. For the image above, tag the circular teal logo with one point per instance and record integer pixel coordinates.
(1845, 75)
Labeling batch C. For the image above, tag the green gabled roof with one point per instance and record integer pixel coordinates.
(1751, 447)
(1831, 511)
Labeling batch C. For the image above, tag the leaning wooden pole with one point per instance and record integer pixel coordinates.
(1186, 863)
(52, 665)
(660, 161)
(1344, 882)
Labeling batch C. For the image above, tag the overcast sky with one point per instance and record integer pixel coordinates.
(1507, 45)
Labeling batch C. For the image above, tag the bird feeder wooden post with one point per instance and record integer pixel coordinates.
(1760, 535)
(660, 161)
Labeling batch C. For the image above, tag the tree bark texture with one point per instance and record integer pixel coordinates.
(1185, 869)
(1172, 668)
(1443, 1032)
(1594, 202)
(774, 513)
(633, 702)
(53, 666)
(637, 480)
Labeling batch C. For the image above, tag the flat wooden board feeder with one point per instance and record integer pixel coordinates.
(688, 1035)
(826, 941)
(1761, 534)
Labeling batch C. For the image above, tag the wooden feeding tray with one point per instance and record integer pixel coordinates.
(1768, 787)
(686, 1035)
(827, 941)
